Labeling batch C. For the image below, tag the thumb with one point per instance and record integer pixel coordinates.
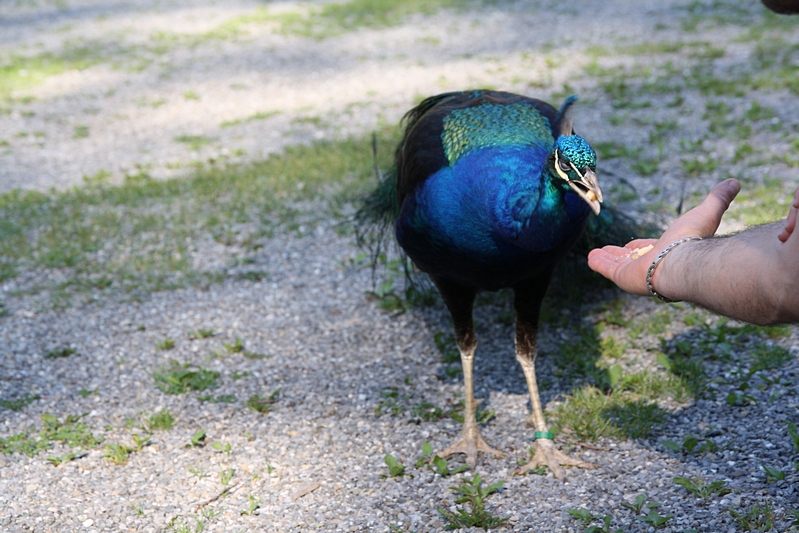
(704, 219)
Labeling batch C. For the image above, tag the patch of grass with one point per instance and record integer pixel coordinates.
(586, 517)
(765, 202)
(261, 404)
(165, 344)
(194, 142)
(590, 414)
(201, 333)
(262, 115)
(71, 431)
(138, 236)
(58, 460)
(691, 444)
(118, 454)
(395, 468)
(222, 398)
(59, 353)
(160, 421)
(473, 493)
(17, 404)
(179, 379)
(702, 489)
(757, 517)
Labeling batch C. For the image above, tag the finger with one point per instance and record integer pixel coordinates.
(704, 219)
(790, 223)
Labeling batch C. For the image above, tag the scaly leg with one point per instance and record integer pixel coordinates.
(471, 441)
(528, 298)
(460, 299)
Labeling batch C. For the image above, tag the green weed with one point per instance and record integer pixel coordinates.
(201, 333)
(261, 404)
(474, 494)
(773, 474)
(586, 517)
(197, 438)
(179, 379)
(59, 353)
(702, 489)
(653, 518)
(253, 504)
(226, 475)
(222, 398)
(691, 444)
(194, 142)
(165, 344)
(18, 404)
(756, 517)
(118, 454)
(58, 460)
(395, 468)
(793, 432)
(160, 421)
(225, 449)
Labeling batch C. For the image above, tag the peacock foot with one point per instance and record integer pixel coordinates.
(470, 445)
(547, 455)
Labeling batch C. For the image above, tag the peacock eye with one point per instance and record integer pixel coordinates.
(564, 166)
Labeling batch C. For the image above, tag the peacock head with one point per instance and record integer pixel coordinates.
(575, 162)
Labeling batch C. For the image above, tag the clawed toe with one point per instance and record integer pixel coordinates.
(547, 455)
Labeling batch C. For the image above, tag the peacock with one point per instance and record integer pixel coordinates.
(490, 191)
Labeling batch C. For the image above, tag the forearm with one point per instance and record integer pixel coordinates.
(751, 276)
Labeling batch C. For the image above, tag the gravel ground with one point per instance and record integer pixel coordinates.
(315, 462)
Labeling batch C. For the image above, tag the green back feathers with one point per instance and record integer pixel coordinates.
(488, 125)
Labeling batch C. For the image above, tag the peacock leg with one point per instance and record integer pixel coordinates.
(528, 304)
(460, 299)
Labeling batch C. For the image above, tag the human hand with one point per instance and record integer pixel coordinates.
(617, 263)
(790, 224)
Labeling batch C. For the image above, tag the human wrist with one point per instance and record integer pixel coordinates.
(665, 278)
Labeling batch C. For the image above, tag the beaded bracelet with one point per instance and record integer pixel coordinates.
(657, 260)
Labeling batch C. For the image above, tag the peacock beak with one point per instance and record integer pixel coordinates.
(587, 187)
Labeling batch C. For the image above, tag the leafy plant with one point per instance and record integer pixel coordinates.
(140, 441)
(223, 448)
(236, 347)
(758, 517)
(222, 398)
(794, 434)
(18, 404)
(225, 475)
(162, 420)
(197, 438)
(584, 515)
(201, 333)
(261, 404)
(395, 469)
(60, 352)
(474, 494)
(640, 504)
(440, 467)
(58, 460)
(702, 489)
(773, 474)
(654, 519)
(118, 453)
(253, 505)
(690, 444)
(179, 379)
(71, 431)
(165, 344)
